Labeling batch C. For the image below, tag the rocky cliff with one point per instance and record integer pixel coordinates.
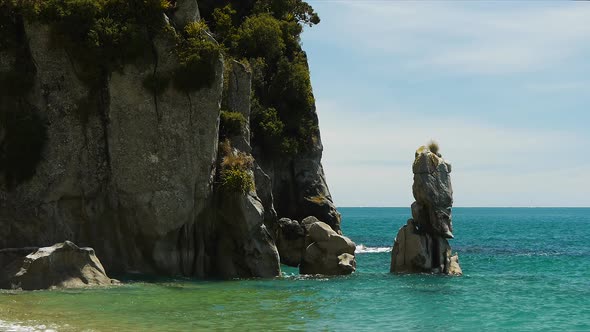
(133, 171)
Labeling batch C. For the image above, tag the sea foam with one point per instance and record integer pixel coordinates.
(362, 249)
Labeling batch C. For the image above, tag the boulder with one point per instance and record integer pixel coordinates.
(328, 253)
(290, 241)
(320, 232)
(63, 265)
(308, 221)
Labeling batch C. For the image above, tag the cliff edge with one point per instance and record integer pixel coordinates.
(110, 133)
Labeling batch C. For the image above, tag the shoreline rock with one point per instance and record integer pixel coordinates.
(329, 252)
(63, 265)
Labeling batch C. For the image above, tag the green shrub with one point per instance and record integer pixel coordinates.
(267, 127)
(231, 124)
(100, 35)
(235, 174)
(223, 25)
(289, 10)
(236, 180)
(291, 86)
(23, 137)
(260, 36)
(197, 54)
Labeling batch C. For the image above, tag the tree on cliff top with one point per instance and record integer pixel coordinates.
(266, 33)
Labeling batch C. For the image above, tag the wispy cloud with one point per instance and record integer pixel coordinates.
(373, 154)
(460, 37)
(502, 86)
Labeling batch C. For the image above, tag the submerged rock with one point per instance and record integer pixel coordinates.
(63, 265)
(329, 252)
(421, 245)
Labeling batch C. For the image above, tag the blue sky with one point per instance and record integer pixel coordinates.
(504, 87)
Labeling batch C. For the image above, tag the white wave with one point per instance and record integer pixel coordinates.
(362, 249)
(16, 327)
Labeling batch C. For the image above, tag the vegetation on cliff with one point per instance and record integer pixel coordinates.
(102, 36)
(230, 124)
(266, 34)
(235, 174)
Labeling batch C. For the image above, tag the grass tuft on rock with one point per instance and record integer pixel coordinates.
(197, 53)
(235, 175)
(433, 147)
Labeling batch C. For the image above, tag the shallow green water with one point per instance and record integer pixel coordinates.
(525, 270)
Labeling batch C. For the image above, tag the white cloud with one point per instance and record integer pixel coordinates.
(458, 37)
(368, 157)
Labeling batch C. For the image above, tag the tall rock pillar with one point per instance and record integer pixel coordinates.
(421, 245)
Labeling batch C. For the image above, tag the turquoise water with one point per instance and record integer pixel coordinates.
(526, 269)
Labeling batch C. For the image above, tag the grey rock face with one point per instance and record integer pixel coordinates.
(63, 265)
(299, 184)
(415, 252)
(421, 245)
(290, 241)
(433, 193)
(299, 187)
(185, 12)
(132, 174)
(238, 94)
(329, 252)
(245, 248)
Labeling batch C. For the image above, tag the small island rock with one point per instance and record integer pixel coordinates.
(421, 245)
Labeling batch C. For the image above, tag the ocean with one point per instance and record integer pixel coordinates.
(525, 269)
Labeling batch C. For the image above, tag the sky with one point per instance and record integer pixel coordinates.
(503, 87)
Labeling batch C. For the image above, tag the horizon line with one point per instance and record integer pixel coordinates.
(479, 207)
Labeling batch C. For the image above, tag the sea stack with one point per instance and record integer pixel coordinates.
(421, 246)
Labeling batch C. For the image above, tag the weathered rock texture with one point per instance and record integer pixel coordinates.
(299, 186)
(328, 252)
(290, 241)
(421, 245)
(314, 247)
(247, 249)
(63, 265)
(132, 173)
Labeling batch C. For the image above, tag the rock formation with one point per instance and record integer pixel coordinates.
(315, 247)
(133, 172)
(63, 265)
(328, 252)
(242, 215)
(421, 245)
(290, 241)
